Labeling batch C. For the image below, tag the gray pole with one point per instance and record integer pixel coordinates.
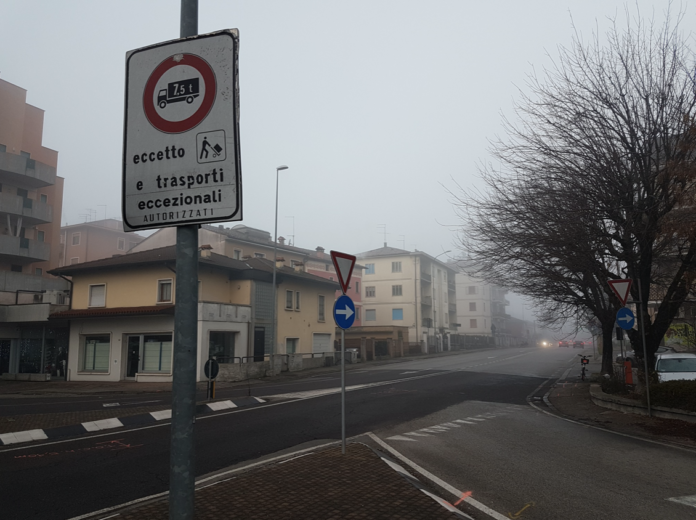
(645, 351)
(182, 475)
(275, 263)
(343, 391)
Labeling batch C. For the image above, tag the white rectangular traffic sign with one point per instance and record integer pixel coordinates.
(181, 134)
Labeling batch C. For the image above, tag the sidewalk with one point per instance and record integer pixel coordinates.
(319, 484)
(571, 399)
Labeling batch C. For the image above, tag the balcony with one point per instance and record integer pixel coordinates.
(425, 277)
(427, 300)
(29, 313)
(452, 308)
(24, 172)
(22, 250)
(32, 212)
(451, 287)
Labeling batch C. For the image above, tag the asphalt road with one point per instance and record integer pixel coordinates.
(508, 457)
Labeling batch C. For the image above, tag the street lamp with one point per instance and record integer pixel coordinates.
(275, 262)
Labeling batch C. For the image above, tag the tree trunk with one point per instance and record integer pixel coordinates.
(608, 347)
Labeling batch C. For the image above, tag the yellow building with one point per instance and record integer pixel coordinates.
(122, 313)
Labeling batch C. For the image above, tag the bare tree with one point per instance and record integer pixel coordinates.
(600, 170)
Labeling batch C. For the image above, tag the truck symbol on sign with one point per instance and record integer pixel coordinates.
(178, 91)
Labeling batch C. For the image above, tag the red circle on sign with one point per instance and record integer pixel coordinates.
(177, 127)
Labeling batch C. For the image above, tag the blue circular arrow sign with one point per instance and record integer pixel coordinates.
(625, 318)
(344, 312)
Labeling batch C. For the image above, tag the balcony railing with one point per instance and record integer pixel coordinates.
(427, 300)
(425, 277)
(32, 211)
(23, 249)
(452, 307)
(26, 172)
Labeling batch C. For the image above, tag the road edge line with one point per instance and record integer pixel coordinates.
(436, 480)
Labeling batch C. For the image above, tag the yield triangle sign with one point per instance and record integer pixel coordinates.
(344, 268)
(621, 289)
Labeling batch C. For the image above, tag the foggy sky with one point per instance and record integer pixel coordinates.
(377, 107)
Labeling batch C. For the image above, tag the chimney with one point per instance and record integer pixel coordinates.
(206, 251)
(280, 262)
(320, 252)
(299, 267)
(281, 241)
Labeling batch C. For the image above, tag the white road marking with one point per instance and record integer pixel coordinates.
(451, 425)
(104, 424)
(109, 405)
(475, 419)
(444, 485)
(416, 434)
(161, 415)
(688, 500)
(445, 504)
(410, 372)
(221, 405)
(24, 436)
(463, 421)
(400, 438)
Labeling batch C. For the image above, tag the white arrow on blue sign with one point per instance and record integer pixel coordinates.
(625, 318)
(344, 312)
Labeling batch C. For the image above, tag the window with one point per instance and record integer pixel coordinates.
(369, 268)
(237, 254)
(484, 306)
(259, 255)
(370, 314)
(472, 306)
(291, 345)
(164, 291)
(38, 271)
(97, 295)
(44, 198)
(157, 353)
(62, 238)
(40, 235)
(396, 290)
(357, 314)
(472, 289)
(75, 260)
(297, 300)
(397, 314)
(473, 324)
(3, 148)
(326, 267)
(288, 300)
(121, 244)
(16, 268)
(357, 287)
(321, 307)
(76, 239)
(369, 292)
(95, 357)
(396, 267)
(25, 154)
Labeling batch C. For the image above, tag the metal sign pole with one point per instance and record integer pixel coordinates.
(343, 391)
(645, 352)
(182, 475)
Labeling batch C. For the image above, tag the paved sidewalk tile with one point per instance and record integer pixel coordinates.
(323, 485)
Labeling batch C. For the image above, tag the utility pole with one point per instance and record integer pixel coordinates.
(182, 471)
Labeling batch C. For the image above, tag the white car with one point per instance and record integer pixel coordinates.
(670, 367)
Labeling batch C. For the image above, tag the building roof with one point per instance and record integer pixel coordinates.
(384, 251)
(252, 268)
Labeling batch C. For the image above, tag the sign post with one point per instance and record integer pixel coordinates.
(181, 168)
(344, 316)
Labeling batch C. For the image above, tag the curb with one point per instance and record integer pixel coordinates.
(118, 422)
(630, 406)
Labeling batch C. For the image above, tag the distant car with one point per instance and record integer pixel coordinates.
(631, 355)
(578, 344)
(671, 367)
(564, 344)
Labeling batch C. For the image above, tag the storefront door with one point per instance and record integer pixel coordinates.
(133, 363)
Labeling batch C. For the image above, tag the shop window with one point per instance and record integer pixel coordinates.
(97, 295)
(164, 291)
(96, 353)
(221, 346)
(157, 353)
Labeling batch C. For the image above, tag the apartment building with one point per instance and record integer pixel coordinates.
(31, 198)
(122, 317)
(480, 306)
(94, 240)
(409, 289)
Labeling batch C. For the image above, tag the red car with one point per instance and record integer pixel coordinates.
(564, 344)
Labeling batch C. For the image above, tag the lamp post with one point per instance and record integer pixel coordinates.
(275, 262)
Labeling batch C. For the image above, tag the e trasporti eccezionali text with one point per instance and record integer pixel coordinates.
(167, 182)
